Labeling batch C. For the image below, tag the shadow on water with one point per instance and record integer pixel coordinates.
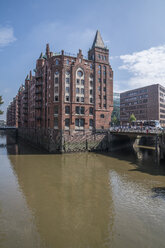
(143, 160)
(16, 146)
(159, 192)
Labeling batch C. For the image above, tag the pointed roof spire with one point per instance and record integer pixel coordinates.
(27, 78)
(41, 56)
(98, 41)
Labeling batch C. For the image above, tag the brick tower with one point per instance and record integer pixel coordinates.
(103, 77)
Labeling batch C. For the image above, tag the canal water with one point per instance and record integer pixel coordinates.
(82, 200)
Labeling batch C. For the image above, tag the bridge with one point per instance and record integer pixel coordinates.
(8, 128)
(158, 137)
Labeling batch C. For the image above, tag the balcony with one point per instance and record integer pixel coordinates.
(38, 106)
(38, 83)
(38, 118)
(38, 99)
(38, 91)
(38, 76)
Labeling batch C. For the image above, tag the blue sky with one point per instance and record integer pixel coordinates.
(133, 30)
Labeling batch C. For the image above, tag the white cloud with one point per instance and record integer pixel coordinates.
(146, 67)
(6, 36)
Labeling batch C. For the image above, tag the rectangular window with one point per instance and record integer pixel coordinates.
(91, 122)
(67, 109)
(82, 82)
(67, 122)
(77, 122)
(99, 88)
(78, 81)
(67, 80)
(91, 100)
(77, 110)
(67, 89)
(104, 88)
(91, 92)
(56, 80)
(82, 91)
(104, 97)
(91, 83)
(56, 110)
(91, 111)
(77, 99)
(104, 105)
(56, 98)
(82, 122)
(67, 98)
(82, 110)
(56, 90)
(99, 80)
(82, 99)
(77, 90)
(104, 81)
(56, 122)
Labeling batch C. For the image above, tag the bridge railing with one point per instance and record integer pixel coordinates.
(136, 130)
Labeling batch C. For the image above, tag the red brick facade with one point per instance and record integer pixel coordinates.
(68, 92)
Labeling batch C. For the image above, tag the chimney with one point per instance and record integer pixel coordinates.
(47, 51)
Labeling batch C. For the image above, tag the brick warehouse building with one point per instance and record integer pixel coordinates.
(146, 103)
(68, 92)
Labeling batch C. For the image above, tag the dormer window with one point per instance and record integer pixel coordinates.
(57, 62)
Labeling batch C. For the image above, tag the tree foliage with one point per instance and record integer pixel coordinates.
(114, 120)
(1, 102)
(132, 118)
(115, 117)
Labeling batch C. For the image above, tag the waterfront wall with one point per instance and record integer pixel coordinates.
(66, 141)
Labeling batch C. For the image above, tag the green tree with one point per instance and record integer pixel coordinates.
(1, 102)
(114, 120)
(115, 116)
(132, 118)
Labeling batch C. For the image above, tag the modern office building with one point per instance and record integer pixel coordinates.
(146, 103)
(116, 99)
(68, 92)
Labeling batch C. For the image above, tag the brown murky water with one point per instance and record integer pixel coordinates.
(83, 200)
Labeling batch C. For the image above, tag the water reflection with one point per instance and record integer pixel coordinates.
(82, 200)
(65, 194)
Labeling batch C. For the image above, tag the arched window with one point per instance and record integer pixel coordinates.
(57, 62)
(67, 62)
(79, 73)
(99, 69)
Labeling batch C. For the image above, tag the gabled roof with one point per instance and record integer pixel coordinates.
(98, 41)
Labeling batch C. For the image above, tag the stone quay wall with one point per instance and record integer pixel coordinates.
(61, 141)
